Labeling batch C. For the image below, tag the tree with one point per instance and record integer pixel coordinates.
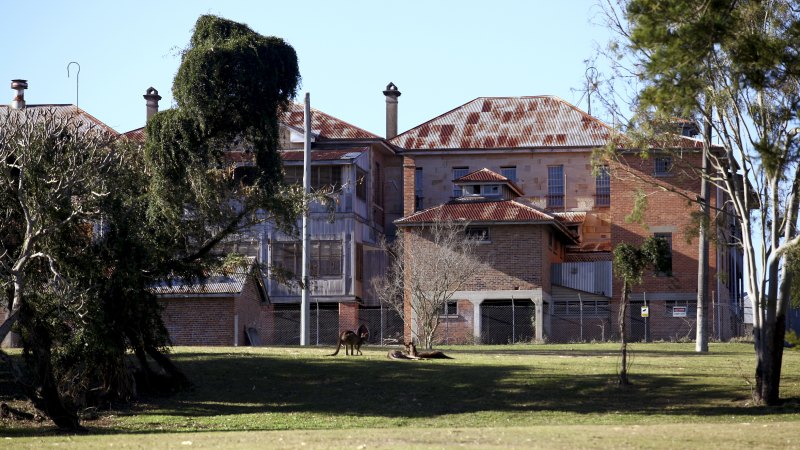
(735, 65)
(92, 224)
(630, 262)
(441, 263)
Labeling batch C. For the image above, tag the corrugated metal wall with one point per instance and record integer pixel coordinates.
(593, 277)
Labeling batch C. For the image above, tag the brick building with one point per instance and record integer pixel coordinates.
(545, 147)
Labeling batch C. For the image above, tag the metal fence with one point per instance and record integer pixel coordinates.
(515, 322)
(385, 325)
(654, 321)
(508, 323)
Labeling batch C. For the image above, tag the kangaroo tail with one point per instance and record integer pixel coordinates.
(337, 349)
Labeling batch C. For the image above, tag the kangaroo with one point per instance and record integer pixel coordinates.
(352, 341)
(411, 350)
(397, 354)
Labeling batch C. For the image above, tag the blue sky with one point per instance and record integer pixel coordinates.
(440, 53)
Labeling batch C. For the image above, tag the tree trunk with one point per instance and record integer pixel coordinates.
(701, 340)
(623, 312)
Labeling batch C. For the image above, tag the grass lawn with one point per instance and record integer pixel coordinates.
(544, 396)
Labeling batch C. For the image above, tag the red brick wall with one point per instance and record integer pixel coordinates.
(664, 209)
(248, 308)
(409, 172)
(199, 321)
(348, 316)
(458, 330)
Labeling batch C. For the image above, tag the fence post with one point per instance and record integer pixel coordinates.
(580, 304)
(513, 322)
(381, 311)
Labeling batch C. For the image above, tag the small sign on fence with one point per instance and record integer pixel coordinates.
(645, 311)
(678, 311)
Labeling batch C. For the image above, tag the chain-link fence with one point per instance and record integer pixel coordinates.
(672, 321)
(385, 325)
(508, 322)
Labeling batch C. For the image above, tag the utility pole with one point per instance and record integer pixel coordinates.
(305, 315)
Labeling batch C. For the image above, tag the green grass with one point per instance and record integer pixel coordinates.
(551, 394)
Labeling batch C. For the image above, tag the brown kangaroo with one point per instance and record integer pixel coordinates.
(411, 350)
(352, 341)
(397, 354)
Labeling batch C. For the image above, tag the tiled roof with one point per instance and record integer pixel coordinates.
(479, 211)
(482, 175)
(508, 122)
(62, 110)
(324, 125)
(487, 176)
(325, 155)
(571, 217)
(587, 256)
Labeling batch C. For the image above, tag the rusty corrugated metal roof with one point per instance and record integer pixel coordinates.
(136, 135)
(62, 110)
(508, 122)
(324, 125)
(325, 155)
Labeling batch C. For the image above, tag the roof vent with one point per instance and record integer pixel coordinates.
(19, 99)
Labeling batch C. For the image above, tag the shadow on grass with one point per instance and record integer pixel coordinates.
(238, 384)
(235, 384)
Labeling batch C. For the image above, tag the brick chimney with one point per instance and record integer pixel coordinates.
(391, 94)
(152, 98)
(19, 99)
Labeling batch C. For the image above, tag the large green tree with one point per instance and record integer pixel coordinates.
(734, 64)
(89, 224)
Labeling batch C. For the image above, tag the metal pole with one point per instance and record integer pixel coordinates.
(580, 303)
(513, 322)
(305, 335)
(646, 319)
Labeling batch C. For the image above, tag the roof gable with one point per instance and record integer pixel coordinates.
(508, 122)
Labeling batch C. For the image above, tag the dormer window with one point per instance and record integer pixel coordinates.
(490, 190)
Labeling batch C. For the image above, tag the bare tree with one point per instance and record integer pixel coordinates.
(430, 263)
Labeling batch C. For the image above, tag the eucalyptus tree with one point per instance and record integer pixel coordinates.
(734, 64)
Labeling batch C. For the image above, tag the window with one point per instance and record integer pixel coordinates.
(480, 234)
(555, 187)
(596, 308)
(458, 172)
(663, 166)
(490, 190)
(287, 256)
(667, 237)
(361, 183)
(242, 245)
(509, 172)
(602, 188)
(418, 198)
(326, 258)
(450, 309)
(321, 176)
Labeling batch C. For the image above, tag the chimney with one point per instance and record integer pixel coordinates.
(391, 94)
(19, 99)
(152, 98)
